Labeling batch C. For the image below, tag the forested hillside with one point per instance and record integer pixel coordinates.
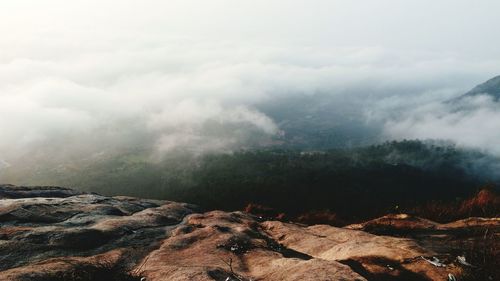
(353, 181)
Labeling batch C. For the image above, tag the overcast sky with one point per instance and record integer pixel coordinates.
(111, 69)
(458, 27)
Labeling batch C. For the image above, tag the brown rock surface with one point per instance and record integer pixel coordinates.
(375, 257)
(51, 234)
(210, 244)
(405, 222)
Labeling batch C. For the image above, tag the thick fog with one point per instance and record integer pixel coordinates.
(82, 78)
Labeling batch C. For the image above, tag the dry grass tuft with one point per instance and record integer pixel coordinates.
(486, 203)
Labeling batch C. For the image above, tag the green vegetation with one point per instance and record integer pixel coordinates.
(355, 182)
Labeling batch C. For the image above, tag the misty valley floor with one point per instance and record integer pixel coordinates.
(50, 233)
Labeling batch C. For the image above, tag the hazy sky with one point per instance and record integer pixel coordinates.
(79, 74)
(455, 27)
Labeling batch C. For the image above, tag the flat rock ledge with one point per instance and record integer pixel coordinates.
(46, 232)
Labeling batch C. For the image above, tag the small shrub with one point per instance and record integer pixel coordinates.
(264, 212)
(320, 217)
(484, 204)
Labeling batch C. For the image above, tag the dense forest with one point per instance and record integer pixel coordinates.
(355, 181)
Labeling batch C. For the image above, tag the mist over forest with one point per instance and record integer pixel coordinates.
(234, 111)
(241, 140)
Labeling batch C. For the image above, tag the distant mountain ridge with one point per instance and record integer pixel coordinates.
(490, 87)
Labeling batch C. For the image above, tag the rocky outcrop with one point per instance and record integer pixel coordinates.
(404, 223)
(11, 191)
(55, 233)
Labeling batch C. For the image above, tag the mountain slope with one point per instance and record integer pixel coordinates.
(490, 87)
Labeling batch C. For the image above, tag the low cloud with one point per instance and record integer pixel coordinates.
(469, 122)
(90, 77)
(205, 99)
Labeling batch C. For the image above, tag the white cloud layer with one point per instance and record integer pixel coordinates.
(473, 122)
(88, 76)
